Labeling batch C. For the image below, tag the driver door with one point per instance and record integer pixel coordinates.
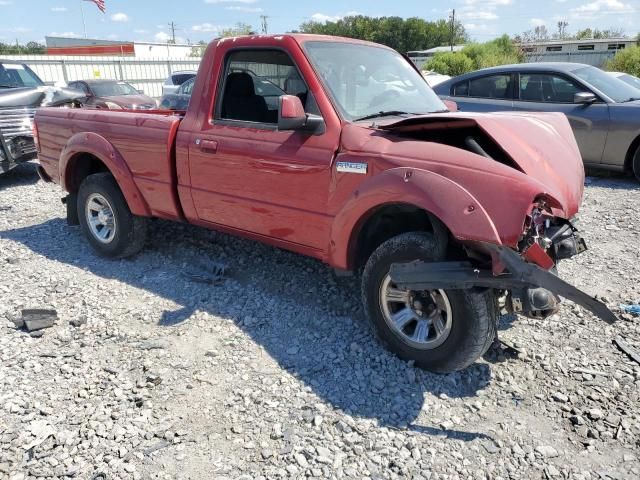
(246, 174)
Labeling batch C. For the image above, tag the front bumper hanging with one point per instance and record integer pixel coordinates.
(520, 275)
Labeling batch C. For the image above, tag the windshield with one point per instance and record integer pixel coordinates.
(112, 89)
(13, 75)
(366, 80)
(630, 80)
(612, 87)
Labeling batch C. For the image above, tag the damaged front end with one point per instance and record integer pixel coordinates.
(525, 278)
(17, 110)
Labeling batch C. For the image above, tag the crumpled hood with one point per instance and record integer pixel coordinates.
(541, 144)
(37, 97)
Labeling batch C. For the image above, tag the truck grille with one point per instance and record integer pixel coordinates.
(17, 122)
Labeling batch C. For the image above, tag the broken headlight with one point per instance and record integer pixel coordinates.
(557, 236)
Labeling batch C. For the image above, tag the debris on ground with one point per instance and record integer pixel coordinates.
(634, 309)
(38, 319)
(78, 321)
(626, 348)
(212, 274)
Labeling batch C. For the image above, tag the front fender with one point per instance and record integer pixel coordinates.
(451, 203)
(96, 145)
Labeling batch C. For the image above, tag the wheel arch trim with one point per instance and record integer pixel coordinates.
(88, 143)
(447, 201)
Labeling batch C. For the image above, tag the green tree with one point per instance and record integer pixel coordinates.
(31, 48)
(627, 60)
(400, 34)
(198, 49)
(501, 51)
(239, 29)
(450, 63)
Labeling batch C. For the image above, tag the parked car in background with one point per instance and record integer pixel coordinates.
(603, 110)
(180, 99)
(21, 92)
(113, 94)
(18, 98)
(627, 78)
(175, 80)
(434, 78)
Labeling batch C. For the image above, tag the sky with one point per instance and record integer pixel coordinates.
(196, 20)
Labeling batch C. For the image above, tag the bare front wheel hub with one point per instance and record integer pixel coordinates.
(421, 319)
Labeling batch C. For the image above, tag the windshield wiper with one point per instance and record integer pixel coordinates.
(383, 113)
(631, 99)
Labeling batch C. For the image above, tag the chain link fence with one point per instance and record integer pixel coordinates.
(144, 74)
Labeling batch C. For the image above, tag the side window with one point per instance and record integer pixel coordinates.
(548, 88)
(255, 80)
(79, 86)
(461, 89)
(493, 86)
(186, 88)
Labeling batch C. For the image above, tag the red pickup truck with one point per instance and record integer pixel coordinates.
(338, 149)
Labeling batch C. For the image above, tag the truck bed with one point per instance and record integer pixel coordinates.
(144, 141)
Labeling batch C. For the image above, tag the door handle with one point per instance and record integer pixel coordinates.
(207, 145)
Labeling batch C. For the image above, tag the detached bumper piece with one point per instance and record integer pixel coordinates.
(521, 276)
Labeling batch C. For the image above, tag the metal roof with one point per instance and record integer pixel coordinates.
(456, 48)
(574, 41)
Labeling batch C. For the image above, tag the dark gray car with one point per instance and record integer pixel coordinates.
(604, 111)
(179, 100)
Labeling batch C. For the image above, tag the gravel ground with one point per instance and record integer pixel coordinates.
(273, 373)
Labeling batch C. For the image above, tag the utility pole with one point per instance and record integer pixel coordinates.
(562, 25)
(84, 24)
(263, 22)
(172, 26)
(453, 27)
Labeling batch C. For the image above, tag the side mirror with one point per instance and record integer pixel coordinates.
(140, 91)
(291, 115)
(451, 105)
(584, 97)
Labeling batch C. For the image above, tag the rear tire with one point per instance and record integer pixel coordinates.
(105, 219)
(635, 164)
(461, 324)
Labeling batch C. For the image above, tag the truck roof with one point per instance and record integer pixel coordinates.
(297, 37)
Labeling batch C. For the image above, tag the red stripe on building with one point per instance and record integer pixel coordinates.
(122, 49)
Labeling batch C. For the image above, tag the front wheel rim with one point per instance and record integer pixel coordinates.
(421, 319)
(100, 218)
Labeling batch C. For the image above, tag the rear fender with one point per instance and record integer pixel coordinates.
(453, 205)
(93, 144)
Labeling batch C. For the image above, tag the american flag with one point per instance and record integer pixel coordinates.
(99, 3)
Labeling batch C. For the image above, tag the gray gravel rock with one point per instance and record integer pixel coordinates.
(274, 374)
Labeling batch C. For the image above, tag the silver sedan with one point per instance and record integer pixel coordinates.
(604, 111)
